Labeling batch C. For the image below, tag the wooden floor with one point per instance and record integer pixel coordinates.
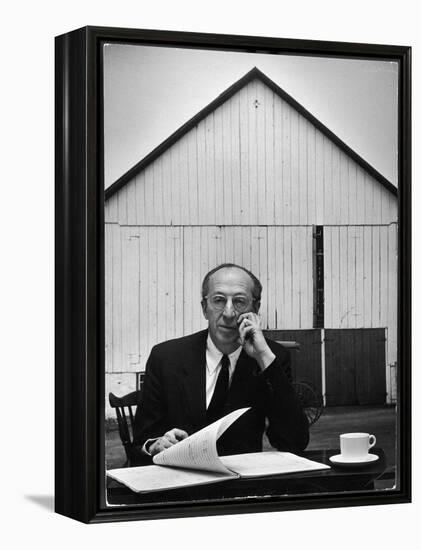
(380, 421)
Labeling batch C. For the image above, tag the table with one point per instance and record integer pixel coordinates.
(336, 479)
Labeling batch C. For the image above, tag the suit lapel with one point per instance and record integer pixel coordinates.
(194, 380)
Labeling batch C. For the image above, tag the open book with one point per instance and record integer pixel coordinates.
(195, 461)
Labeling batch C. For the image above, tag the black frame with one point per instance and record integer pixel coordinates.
(79, 356)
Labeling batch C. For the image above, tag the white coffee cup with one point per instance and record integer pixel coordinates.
(355, 446)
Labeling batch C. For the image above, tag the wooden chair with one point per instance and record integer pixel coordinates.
(125, 408)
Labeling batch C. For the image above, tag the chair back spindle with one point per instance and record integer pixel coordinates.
(125, 408)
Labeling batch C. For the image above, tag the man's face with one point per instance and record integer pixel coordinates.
(230, 291)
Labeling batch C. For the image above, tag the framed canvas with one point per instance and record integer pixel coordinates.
(193, 170)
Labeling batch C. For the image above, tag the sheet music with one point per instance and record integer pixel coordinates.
(198, 451)
(270, 463)
(194, 461)
(156, 478)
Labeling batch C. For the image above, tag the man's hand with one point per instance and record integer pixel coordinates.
(169, 439)
(252, 339)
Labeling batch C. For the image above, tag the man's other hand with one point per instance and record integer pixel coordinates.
(169, 439)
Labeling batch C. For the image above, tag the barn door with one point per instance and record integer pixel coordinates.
(355, 366)
(306, 362)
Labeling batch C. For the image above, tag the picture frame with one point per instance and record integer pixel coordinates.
(80, 388)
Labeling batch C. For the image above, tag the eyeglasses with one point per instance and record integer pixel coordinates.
(239, 303)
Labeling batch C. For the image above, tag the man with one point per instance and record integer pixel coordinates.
(191, 381)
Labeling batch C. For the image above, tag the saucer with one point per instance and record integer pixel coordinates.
(342, 461)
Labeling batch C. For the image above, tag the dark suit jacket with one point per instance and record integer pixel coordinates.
(174, 396)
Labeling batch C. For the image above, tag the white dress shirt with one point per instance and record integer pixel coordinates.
(213, 366)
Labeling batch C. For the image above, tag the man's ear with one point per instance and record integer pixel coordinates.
(256, 306)
(204, 308)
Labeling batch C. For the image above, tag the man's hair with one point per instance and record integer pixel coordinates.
(257, 285)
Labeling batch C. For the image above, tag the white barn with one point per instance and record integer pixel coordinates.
(256, 180)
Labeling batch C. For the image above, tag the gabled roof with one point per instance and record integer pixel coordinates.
(255, 73)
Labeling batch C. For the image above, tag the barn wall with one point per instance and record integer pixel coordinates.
(360, 276)
(253, 161)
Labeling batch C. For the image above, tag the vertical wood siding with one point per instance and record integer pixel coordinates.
(355, 366)
(361, 279)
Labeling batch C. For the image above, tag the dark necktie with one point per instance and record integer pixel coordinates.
(216, 405)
